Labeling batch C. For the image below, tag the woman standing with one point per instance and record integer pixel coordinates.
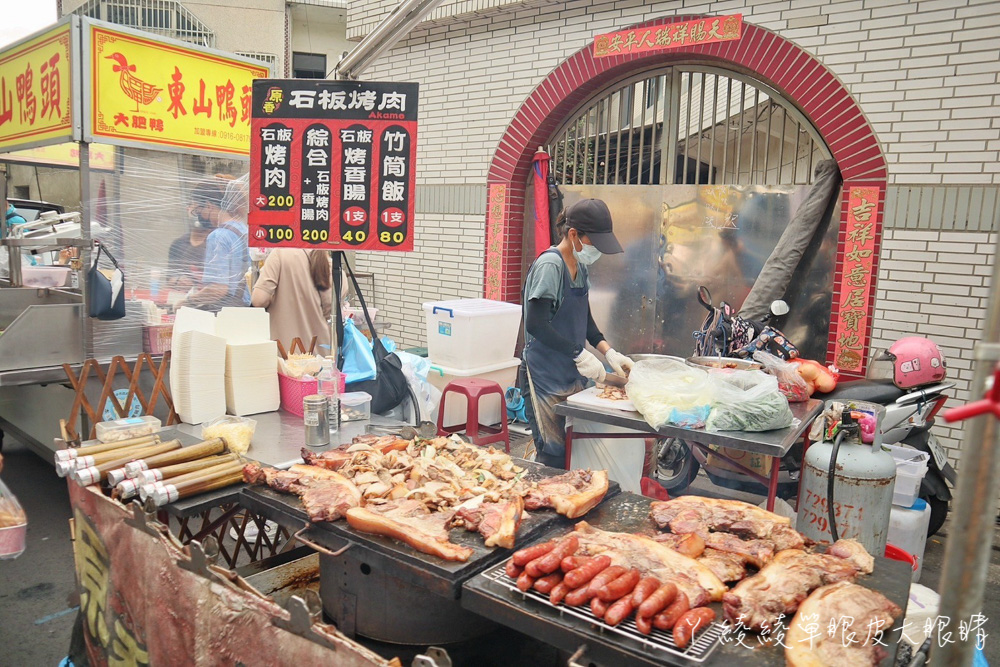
(558, 323)
(294, 287)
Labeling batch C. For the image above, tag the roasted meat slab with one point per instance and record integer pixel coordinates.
(855, 613)
(496, 522)
(695, 514)
(652, 559)
(787, 580)
(333, 459)
(571, 494)
(409, 521)
(325, 494)
(727, 567)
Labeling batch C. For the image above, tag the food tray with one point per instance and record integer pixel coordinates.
(659, 641)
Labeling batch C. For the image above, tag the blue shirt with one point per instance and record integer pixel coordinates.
(227, 260)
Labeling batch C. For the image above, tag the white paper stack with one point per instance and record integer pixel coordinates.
(197, 367)
(251, 374)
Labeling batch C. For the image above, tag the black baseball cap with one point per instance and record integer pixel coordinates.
(592, 217)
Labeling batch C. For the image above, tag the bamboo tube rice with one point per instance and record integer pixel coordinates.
(73, 466)
(129, 488)
(76, 452)
(201, 450)
(172, 492)
(95, 474)
(80, 459)
(146, 490)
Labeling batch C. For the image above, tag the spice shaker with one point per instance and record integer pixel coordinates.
(316, 420)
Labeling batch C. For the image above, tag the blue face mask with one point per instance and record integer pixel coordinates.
(587, 255)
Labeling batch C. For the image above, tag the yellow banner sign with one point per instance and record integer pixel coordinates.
(146, 91)
(36, 90)
(64, 155)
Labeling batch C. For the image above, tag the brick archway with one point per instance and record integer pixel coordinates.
(798, 75)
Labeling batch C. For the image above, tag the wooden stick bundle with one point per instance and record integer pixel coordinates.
(99, 473)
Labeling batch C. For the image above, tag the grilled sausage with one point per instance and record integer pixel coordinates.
(646, 587)
(619, 611)
(598, 607)
(525, 582)
(585, 573)
(559, 593)
(619, 587)
(644, 624)
(573, 562)
(548, 582)
(551, 561)
(513, 571)
(606, 577)
(667, 618)
(528, 554)
(690, 623)
(578, 596)
(658, 600)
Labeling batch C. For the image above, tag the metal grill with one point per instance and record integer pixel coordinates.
(163, 17)
(687, 125)
(659, 641)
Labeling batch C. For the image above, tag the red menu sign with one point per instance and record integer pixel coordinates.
(332, 164)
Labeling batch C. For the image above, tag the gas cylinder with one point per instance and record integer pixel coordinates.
(864, 478)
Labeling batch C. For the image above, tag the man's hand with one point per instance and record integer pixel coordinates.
(619, 362)
(589, 366)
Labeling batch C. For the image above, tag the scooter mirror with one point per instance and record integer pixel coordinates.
(779, 308)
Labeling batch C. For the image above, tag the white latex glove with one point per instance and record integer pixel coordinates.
(619, 362)
(589, 366)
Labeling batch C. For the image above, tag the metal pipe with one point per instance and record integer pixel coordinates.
(385, 35)
(967, 554)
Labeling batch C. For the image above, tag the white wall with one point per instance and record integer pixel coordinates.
(320, 30)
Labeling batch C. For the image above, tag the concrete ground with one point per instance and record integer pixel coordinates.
(36, 590)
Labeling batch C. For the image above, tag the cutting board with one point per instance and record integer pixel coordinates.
(589, 398)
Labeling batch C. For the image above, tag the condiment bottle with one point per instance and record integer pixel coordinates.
(316, 420)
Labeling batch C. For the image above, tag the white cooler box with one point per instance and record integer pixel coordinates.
(469, 334)
(491, 408)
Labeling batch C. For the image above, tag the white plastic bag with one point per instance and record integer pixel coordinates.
(236, 431)
(668, 392)
(747, 401)
(790, 383)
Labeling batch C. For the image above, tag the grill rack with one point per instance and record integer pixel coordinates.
(659, 641)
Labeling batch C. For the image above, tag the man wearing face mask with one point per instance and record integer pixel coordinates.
(558, 323)
(186, 257)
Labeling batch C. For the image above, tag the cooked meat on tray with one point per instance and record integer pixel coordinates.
(411, 522)
(728, 567)
(496, 522)
(651, 558)
(610, 393)
(857, 612)
(326, 495)
(694, 514)
(572, 494)
(787, 580)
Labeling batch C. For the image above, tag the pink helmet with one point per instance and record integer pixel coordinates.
(916, 361)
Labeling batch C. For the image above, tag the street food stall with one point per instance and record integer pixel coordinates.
(142, 120)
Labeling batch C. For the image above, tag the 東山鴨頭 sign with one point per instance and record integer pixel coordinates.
(332, 164)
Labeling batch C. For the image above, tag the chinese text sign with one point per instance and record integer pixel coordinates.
(332, 164)
(672, 36)
(36, 90)
(148, 91)
(856, 283)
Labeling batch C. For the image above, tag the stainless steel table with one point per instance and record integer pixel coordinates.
(769, 443)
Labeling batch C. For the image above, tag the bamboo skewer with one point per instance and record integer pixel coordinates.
(95, 474)
(76, 452)
(129, 488)
(201, 450)
(68, 465)
(169, 493)
(147, 490)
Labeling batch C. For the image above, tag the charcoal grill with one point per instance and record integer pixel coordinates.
(385, 590)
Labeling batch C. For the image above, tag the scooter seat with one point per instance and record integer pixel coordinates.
(873, 391)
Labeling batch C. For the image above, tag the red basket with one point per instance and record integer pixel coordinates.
(293, 390)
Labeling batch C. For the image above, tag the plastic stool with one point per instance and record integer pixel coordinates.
(474, 389)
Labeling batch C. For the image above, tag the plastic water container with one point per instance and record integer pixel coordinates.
(471, 333)
(504, 374)
(908, 531)
(911, 466)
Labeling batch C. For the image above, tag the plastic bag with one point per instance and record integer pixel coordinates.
(790, 383)
(300, 365)
(13, 524)
(668, 392)
(747, 401)
(428, 396)
(236, 431)
(359, 360)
